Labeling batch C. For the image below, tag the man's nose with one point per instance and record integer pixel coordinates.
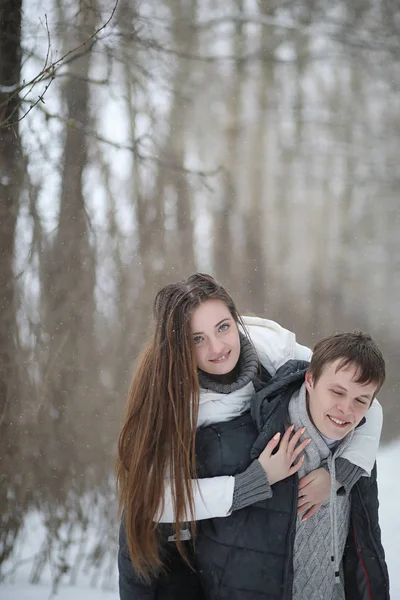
(343, 405)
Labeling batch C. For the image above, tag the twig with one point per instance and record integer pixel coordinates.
(15, 566)
(50, 70)
(131, 148)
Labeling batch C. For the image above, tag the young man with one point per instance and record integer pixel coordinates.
(269, 550)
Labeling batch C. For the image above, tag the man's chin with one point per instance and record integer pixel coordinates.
(333, 433)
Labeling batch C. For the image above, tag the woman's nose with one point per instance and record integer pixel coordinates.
(216, 345)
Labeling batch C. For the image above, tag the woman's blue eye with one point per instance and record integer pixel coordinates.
(198, 339)
(224, 327)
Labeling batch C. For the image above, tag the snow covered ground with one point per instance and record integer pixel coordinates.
(105, 586)
(42, 592)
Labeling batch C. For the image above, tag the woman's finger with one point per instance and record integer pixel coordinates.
(311, 512)
(302, 501)
(306, 480)
(299, 449)
(272, 444)
(286, 439)
(294, 468)
(294, 440)
(304, 507)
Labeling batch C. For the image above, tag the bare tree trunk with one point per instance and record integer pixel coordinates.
(10, 188)
(254, 265)
(70, 277)
(185, 34)
(350, 95)
(175, 180)
(159, 250)
(224, 242)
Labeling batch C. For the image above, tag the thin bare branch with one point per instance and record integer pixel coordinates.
(50, 71)
(134, 148)
(371, 40)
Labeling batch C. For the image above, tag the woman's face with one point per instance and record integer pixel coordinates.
(215, 338)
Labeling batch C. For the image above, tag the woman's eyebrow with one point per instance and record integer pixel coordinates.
(219, 323)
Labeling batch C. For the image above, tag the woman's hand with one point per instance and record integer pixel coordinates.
(282, 464)
(314, 490)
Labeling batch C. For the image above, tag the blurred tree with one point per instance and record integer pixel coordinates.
(226, 206)
(68, 274)
(11, 179)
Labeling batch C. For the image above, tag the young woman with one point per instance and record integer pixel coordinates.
(202, 366)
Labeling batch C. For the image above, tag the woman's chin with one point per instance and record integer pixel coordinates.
(223, 368)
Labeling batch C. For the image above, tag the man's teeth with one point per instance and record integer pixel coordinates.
(337, 421)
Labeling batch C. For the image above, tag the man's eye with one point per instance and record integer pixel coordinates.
(337, 393)
(361, 401)
(224, 327)
(197, 340)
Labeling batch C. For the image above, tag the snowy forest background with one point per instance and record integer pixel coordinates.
(139, 142)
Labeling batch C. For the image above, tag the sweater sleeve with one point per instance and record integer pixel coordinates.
(363, 447)
(302, 352)
(220, 496)
(347, 474)
(213, 497)
(274, 344)
(251, 486)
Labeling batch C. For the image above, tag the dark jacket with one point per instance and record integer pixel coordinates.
(176, 582)
(248, 555)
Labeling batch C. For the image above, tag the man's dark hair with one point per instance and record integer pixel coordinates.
(356, 348)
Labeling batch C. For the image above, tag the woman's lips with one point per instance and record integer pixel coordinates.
(221, 358)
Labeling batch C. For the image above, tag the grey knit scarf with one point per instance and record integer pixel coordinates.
(320, 540)
(247, 370)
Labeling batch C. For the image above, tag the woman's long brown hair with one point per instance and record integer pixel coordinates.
(157, 440)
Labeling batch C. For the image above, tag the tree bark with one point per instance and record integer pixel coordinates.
(224, 242)
(11, 176)
(70, 272)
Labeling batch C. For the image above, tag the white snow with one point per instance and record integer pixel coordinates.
(43, 592)
(389, 514)
(18, 588)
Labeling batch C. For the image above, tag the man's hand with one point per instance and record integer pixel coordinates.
(314, 490)
(280, 465)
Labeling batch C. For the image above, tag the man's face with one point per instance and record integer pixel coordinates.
(337, 403)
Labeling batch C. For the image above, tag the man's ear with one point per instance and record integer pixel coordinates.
(309, 381)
